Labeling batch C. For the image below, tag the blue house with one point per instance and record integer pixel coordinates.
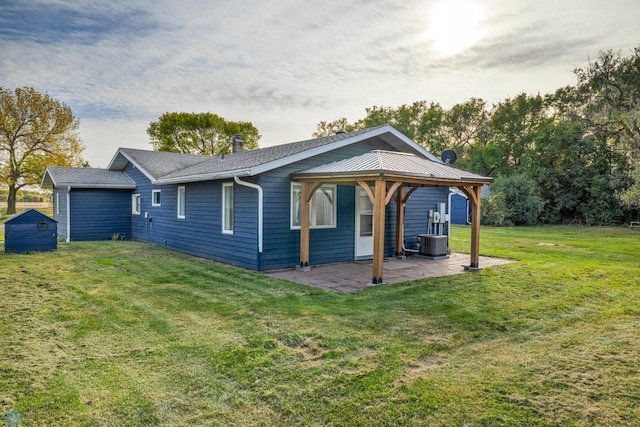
(357, 195)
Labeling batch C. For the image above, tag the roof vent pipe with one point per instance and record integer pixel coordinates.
(238, 143)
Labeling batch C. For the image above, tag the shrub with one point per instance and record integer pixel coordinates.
(513, 202)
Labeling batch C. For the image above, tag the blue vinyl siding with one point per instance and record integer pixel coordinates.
(200, 232)
(61, 217)
(327, 245)
(417, 211)
(97, 214)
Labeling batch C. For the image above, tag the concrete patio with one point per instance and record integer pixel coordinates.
(356, 276)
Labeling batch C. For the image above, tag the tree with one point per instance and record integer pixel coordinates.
(36, 130)
(199, 133)
(609, 88)
(420, 121)
(631, 197)
(325, 128)
(514, 125)
(465, 127)
(578, 174)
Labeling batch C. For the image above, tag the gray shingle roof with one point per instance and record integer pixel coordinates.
(168, 168)
(250, 159)
(156, 164)
(392, 162)
(60, 176)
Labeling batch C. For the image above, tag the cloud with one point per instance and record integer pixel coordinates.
(286, 64)
(54, 22)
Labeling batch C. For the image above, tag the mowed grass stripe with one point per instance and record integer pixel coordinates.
(121, 333)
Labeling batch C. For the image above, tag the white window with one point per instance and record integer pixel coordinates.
(227, 208)
(57, 203)
(182, 203)
(135, 204)
(156, 197)
(322, 207)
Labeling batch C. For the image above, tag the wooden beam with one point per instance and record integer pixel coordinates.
(399, 198)
(305, 197)
(475, 227)
(391, 177)
(378, 230)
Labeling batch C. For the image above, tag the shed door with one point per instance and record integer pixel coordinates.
(364, 225)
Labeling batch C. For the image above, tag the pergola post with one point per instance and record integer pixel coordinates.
(475, 228)
(400, 221)
(378, 230)
(305, 197)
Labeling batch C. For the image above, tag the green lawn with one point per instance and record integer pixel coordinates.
(120, 334)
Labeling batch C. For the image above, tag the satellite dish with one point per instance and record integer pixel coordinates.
(449, 157)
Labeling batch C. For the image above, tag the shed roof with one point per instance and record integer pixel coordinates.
(28, 216)
(60, 176)
(171, 168)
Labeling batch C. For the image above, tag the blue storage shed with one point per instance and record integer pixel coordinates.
(460, 208)
(30, 231)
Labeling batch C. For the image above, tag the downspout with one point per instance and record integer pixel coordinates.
(68, 214)
(449, 213)
(260, 205)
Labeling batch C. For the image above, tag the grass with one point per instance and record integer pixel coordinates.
(120, 333)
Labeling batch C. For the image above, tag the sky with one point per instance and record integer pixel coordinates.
(286, 65)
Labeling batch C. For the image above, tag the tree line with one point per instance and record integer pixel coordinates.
(37, 130)
(572, 156)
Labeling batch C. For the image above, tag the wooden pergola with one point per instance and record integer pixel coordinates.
(382, 185)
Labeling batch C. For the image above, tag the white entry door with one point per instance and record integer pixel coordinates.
(364, 225)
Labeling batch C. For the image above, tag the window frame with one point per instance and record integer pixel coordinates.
(295, 196)
(58, 203)
(136, 204)
(153, 198)
(227, 208)
(181, 199)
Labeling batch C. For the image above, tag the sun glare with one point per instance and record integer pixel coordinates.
(454, 26)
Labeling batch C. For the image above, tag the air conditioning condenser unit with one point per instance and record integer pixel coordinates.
(433, 245)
